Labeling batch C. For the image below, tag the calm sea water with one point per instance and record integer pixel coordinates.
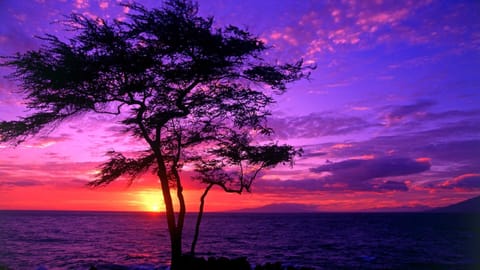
(77, 240)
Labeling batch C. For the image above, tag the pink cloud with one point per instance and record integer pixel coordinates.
(469, 181)
(310, 19)
(341, 145)
(343, 36)
(368, 21)
(336, 15)
(360, 108)
(20, 17)
(81, 4)
(103, 4)
(356, 25)
(46, 141)
(364, 157)
(50, 173)
(365, 24)
(288, 35)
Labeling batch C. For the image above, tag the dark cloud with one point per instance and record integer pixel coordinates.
(446, 123)
(451, 144)
(367, 174)
(444, 138)
(455, 151)
(468, 127)
(325, 184)
(379, 174)
(392, 186)
(304, 184)
(21, 183)
(308, 154)
(316, 125)
(368, 169)
(51, 173)
(459, 156)
(398, 113)
(73, 183)
(452, 114)
(356, 175)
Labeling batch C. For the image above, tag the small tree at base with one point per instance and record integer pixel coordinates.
(193, 93)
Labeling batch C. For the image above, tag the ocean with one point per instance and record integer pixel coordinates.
(77, 240)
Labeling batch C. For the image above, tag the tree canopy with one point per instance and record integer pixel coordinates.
(194, 93)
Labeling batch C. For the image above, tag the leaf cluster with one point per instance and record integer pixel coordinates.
(193, 92)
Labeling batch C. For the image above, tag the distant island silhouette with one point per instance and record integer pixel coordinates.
(468, 206)
(281, 208)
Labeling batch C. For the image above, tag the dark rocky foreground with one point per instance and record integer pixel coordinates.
(196, 263)
(222, 263)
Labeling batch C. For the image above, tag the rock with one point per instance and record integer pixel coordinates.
(278, 266)
(221, 263)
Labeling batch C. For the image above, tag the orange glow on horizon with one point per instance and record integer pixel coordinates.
(147, 199)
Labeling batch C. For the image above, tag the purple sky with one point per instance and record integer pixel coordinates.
(390, 117)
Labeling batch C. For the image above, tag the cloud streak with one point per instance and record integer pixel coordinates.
(367, 175)
(318, 124)
(368, 169)
(469, 181)
(21, 183)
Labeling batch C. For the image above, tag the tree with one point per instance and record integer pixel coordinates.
(250, 160)
(195, 94)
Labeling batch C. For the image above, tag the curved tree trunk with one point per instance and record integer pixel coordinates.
(182, 210)
(175, 237)
(199, 219)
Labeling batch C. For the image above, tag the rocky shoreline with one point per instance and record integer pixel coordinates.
(193, 263)
(222, 263)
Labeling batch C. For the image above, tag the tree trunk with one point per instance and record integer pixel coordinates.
(199, 219)
(182, 210)
(175, 227)
(180, 220)
(175, 237)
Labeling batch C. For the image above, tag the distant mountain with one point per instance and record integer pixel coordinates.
(399, 209)
(281, 208)
(468, 206)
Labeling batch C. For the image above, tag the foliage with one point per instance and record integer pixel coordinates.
(195, 94)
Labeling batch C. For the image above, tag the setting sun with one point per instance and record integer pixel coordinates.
(152, 201)
(155, 208)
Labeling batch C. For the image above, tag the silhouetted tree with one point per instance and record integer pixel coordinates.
(249, 160)
(195, 94)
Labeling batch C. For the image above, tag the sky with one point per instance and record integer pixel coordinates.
(389, 120)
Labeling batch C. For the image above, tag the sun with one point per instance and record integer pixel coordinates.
(155, 208)
(151, 200)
